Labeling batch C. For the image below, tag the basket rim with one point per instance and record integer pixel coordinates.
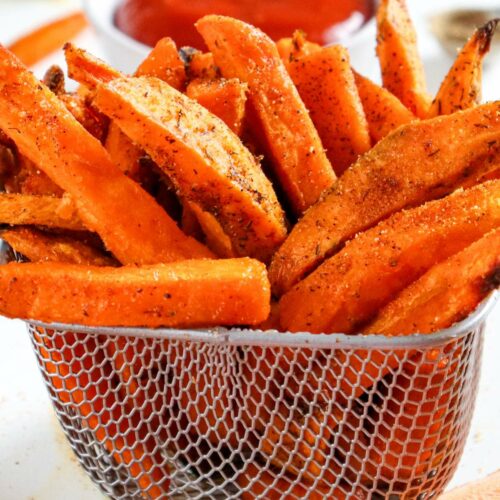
(273, 338)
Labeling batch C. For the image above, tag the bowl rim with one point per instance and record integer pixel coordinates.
(273, 338)
(101, 13)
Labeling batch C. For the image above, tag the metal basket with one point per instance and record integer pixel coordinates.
(247, 414)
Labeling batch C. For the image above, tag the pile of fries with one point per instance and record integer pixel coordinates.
(260, 184)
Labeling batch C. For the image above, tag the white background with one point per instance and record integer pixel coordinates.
(35, 460)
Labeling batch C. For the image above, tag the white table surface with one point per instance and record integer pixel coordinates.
(36, 463)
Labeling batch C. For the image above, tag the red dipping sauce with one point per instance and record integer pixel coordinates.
(324, 21)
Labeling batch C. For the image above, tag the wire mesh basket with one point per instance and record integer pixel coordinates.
(229, 414)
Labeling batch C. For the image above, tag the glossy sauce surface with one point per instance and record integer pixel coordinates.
(324, 21)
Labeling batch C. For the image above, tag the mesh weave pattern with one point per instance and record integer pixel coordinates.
(152, 417)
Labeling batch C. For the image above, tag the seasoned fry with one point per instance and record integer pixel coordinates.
(215, 237)
(47, 39)
(165, 63)
(223, 98)
(39, 246)
(326, 84)
(207, 162)
(189, 293)
(226, 99)
(291, 49)
(461, 88)
(24, 177)
(350, 287)
(199, 64)
(383, 110)
(80, 107)
(86, 68)
(447, 293)
(418, 162)
(402, 68)
(23, 209)
(244, 52)
(127, 155)
(45, 132)
(124, 153)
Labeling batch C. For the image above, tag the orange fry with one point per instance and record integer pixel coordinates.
(40, 43)
(39, 246)
(223, 98)
(205, 160)
(86, 68)
(326, 84)
(197, 293)
(461, 88)
(294, 147)
(350, 287)
(24, 209)
(384, 111)
(402, 68)
(418, 162)
(447, 293)
(165, 63)
(46, 132)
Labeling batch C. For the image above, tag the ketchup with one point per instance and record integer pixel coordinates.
(324, 21)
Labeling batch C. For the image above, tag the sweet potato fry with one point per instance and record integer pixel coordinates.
(80, 107)
(124, 153)
(77, 103)
(39, 246)
(244, 52)
(418, 162)
(86, 68)
(291, 49)
(165, 63)
(447, 293)
(384, 111)
(199, 64)
(402, 68)
(461, 88)
(326, 84)
(47, 39)
(207, 163)
(215, 237)
(46, 132)
(227, 101)
(24, 177)
(188, 293)
(350, 287)
(23, 209)
(223, 98)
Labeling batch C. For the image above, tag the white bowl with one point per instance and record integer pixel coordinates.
(121, 50)
(125, 53)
